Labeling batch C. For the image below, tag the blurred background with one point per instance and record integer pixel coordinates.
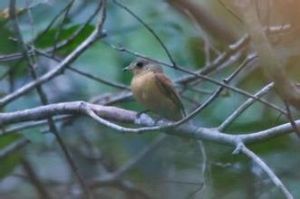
(32, 162)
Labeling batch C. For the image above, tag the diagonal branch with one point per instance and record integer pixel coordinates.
(255, 158)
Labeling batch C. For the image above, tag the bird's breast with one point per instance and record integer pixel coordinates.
(147, 92)
(143, 86)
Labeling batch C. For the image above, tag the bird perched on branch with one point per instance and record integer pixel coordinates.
(153, 89)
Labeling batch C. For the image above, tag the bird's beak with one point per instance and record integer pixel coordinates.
(128, 68)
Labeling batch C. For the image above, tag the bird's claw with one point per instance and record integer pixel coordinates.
(139, 114)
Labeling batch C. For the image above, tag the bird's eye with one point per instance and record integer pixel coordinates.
(140, 64)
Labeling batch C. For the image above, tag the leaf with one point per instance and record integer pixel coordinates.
(8, 164)
(12, 160)
(49, 38)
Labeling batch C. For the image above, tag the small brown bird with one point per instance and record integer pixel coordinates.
(153, 89)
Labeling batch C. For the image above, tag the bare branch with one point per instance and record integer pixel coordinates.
(150, 30)
(266, 169)
(243, 107)
(103, 114)
(33, 177)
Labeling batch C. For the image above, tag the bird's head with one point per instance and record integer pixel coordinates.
(140, 66)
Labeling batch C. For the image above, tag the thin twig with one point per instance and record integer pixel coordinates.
(291, 119)
(244, 106)
(85, 74)
(150, 30)
(18, 128)
(34, 179)
(266, 169)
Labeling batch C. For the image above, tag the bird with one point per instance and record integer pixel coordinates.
(154, 90)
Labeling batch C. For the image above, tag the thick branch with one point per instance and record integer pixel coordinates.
(110, 113)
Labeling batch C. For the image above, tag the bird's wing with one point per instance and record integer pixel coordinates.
(165, 84)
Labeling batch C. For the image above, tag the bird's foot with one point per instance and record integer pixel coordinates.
(158, 121)
(138, 115)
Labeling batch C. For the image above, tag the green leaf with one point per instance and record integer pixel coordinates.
(48, 39)
(8, 164)
(11, 161)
